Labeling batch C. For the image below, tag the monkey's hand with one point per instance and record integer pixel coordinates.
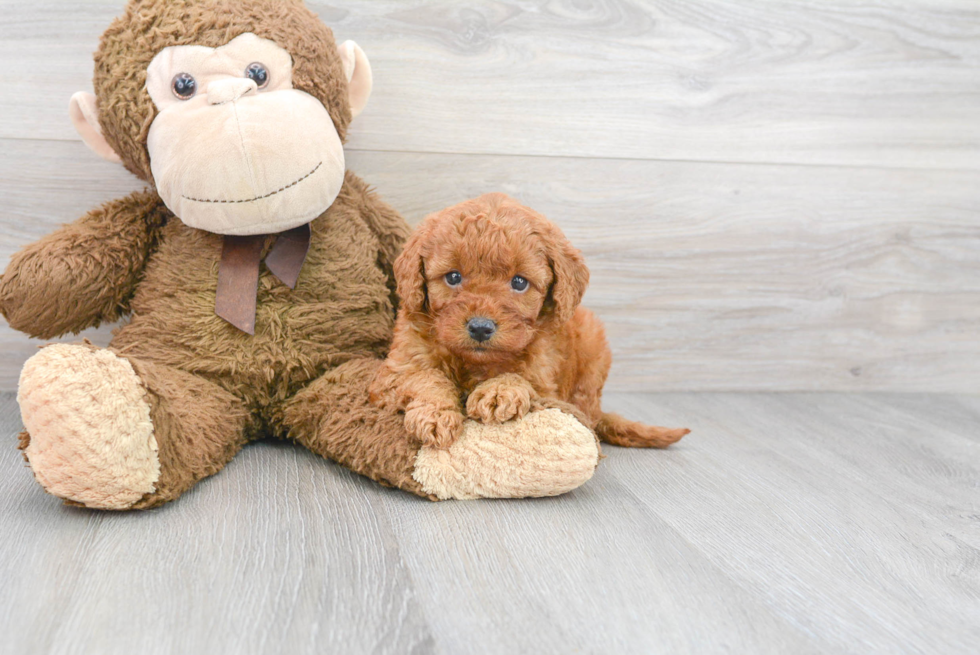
(500, 399)
(85, 273)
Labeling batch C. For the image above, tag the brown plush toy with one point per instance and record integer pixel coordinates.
(258, 273)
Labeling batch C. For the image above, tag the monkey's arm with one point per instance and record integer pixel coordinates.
(85, 273)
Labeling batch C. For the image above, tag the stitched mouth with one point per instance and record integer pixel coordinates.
(268, 195)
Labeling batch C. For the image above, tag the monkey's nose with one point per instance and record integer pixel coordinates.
(481, 329)
(229, 89)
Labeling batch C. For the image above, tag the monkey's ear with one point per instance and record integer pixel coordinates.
(85, 118)
(357, 69)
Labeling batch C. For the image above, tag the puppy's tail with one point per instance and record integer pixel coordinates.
(618, 431)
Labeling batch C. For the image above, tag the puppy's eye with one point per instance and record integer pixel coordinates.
(454, 279)
(518, 284)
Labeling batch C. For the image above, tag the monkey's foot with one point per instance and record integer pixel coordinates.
(91, 438)
(546, 453)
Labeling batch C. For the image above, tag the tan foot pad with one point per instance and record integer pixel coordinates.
(546, 453)
(91, 438)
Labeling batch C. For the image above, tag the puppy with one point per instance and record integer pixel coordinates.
(490, 321)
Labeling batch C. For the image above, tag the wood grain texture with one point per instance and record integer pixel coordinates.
(708, 276)
(318, 573)
(862, 275)
(771, 196)
(858, 82)
(785, 523)
(843, 479)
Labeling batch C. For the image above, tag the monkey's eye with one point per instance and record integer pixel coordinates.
(454, 279)
(258, 73)
(184, 86)
(518, 284)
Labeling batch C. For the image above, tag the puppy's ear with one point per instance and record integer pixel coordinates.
(410, 273)
(571, 276)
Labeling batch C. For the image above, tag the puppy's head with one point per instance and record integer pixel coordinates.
(488, 274)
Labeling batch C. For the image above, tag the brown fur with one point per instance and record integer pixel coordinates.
(211, 387)
(545, 346)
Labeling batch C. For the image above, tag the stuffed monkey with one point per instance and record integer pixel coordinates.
(256, 270)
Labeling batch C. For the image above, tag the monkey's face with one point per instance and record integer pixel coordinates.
(234, 148)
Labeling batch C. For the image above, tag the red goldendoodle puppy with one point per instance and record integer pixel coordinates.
(490, 320)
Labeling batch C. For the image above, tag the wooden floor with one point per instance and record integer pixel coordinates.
(794, 523)
(772, 196)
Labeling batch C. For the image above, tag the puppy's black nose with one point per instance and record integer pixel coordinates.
(481, 329)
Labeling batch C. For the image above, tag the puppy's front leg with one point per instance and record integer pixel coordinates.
(500, 399)
(430, 400)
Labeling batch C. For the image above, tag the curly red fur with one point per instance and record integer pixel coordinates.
(544, 345)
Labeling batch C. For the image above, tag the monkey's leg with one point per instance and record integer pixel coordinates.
(546, 453)
(110, 432)
(333, 417)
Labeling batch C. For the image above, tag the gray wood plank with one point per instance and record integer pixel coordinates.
(708, 276)
(803, 523)
(834, 509)
(861, 82)
(592, 572)
(279, 554)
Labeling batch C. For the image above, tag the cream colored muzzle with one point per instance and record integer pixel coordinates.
(236, 161)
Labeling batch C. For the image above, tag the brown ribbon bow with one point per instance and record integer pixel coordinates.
(238, 273)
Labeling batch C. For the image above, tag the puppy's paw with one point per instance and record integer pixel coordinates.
(433, 425)
(500, 399)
